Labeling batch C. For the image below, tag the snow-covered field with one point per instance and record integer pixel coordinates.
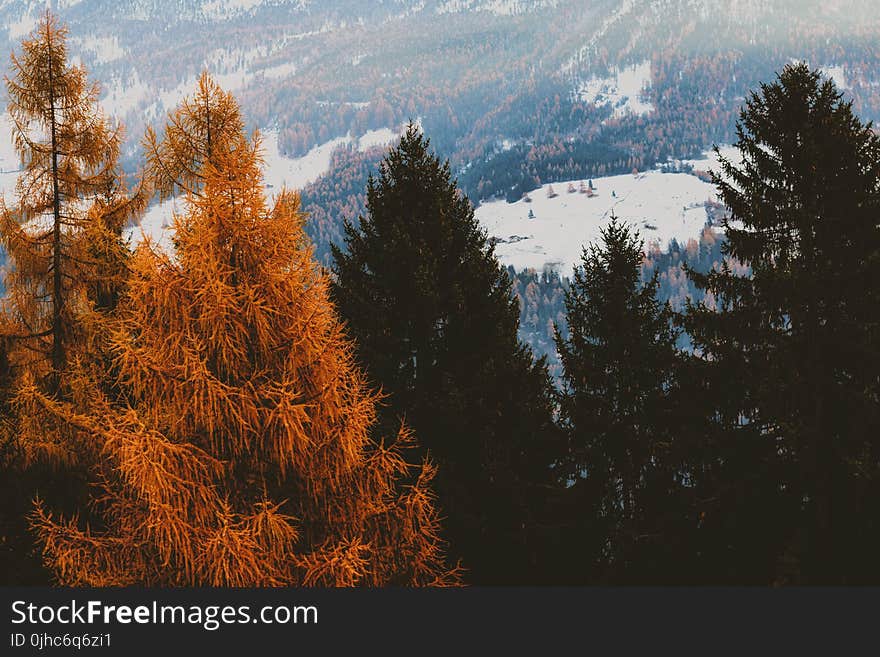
(662, 206)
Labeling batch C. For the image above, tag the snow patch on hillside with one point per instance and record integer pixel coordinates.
(285, 70)
(225, 9)
(710, 162)
(837, 75)
(296, 173)
(123, 96)
(156, 225)
(103, 49)
(623, 90)
(373, 138)
(662, 206)
(497, 7)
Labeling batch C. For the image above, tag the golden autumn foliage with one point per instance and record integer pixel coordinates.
(205, 124)
(236, 451)
(63, 234)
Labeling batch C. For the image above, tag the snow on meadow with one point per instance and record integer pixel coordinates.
(709, 161)
(662, 206)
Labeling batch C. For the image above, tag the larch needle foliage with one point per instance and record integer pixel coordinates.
(63, 235)
(205, 124)
(242, 456)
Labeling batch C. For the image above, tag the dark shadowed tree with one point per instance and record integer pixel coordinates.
(617, 407)
(436, 324)
(796, 334)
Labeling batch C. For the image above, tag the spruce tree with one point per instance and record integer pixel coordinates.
(435, 321)
(619, 373)
(796, 335)
(240, 454)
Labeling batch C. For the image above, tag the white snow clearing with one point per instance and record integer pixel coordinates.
(837, 75)
(709, 161)
(102, 49)
(377, 138)
(296, 173)
(662, 206)
(156, 224)
(623, 91)
(497, 7)
(9, 161)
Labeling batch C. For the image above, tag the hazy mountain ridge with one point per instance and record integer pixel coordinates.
(297, 53)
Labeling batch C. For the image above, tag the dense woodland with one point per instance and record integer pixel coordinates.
(234, 414)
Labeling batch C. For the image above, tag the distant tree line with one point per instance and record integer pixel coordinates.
(542, 294)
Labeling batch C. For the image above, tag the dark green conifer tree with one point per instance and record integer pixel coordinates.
(793, 342)
(435, 321)
(617, 407)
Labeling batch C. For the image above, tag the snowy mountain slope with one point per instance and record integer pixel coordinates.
(173, 11)
(499, 7)
(624, 90)
(515, 80)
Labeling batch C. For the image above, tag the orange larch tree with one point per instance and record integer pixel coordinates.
(68, 187)
(242, 456)
(205, 124)
(63, 234)
(67, 267)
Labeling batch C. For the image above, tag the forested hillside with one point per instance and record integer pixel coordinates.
(515, 94)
